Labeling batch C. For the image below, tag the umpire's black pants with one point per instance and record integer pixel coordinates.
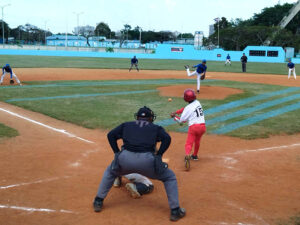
(142, 163)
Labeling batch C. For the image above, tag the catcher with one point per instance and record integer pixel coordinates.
(193, 113)
(7, 69)
(200, 72)
(138, 184)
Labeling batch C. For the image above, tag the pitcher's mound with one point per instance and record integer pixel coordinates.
(206, 92)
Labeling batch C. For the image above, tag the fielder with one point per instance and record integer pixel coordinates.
(228, 60)
(200, 72)
(134, 62)
(137, 155)
(7, 69)
(138, 185)
(291, 67)
(193, 113)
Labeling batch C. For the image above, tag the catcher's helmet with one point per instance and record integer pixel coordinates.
(145, 112)
(189, 95)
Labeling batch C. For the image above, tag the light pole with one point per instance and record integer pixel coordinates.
(3, 23)
(78, 14)
(140, 37)
(46, 31)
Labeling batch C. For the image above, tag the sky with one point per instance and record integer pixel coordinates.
(186, 16)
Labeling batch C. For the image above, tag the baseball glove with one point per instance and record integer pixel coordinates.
(173, 114)
(202, 77)
(11, 82)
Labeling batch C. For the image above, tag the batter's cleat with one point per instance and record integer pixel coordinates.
(177, 214)
(98, 204)
(117, 182)
(187, 163)
(132, 190)
(194, 157)
(186, 67)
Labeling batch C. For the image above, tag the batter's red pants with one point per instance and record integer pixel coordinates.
(195, 133)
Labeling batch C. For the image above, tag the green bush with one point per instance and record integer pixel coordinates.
(109, 49)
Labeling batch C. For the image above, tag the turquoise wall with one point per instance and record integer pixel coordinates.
(163, 51)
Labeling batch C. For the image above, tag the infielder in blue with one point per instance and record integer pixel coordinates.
(7, 69)
(134, 62)
(291, 67)
(200, 72)
(228, 60)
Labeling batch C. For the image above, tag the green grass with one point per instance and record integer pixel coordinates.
(294, 220)
(106, 112)
(19, 61)
(6, 132)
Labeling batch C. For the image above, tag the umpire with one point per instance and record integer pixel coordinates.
(138, 156)
(244, 60)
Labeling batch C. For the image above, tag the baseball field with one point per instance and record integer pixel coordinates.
(54, 148)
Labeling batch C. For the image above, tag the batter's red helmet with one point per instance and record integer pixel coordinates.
(189, 95)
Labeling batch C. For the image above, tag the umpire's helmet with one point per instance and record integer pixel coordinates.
(189, 95)
(145, 112)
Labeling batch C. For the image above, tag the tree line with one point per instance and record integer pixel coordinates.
(237, 34)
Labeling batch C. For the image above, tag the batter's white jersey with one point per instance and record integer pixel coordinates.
(193, 113)
(138, 178)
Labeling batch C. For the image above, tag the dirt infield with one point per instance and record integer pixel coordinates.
(207, 92)
(50, 173)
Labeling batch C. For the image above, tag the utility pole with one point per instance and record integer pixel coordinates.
(218, 32)
(3, 23)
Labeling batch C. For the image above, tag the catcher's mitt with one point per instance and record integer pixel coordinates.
(11, 82)
(202, 77)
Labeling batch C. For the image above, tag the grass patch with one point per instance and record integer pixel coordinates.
(294, 220)
(6, 132)
(23, 61)
(108, 111)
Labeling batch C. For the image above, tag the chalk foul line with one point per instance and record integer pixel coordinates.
(28, 209)
(265, 149)
(47, 126)
(34, 182)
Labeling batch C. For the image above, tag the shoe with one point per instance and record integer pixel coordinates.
(133, 191)
(20, 84)
(194, 157)
(117, 182)
(177, 214)
(186, 67)
(187, 164)
(198, 91)
(98, 203)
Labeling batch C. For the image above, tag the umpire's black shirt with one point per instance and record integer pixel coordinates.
(139, 136)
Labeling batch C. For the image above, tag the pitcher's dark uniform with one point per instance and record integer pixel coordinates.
(138, 156)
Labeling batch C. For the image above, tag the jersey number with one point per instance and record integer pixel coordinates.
(199, 111)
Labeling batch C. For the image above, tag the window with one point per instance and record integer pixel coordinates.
(272, 53)
(257, 53)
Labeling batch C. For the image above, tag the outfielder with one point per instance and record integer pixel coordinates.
(138, 156)
(200, 72)
(138, 185)
(193, 113)
(291, 67)
(228, 60)
(7, 69)
(134, 62)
